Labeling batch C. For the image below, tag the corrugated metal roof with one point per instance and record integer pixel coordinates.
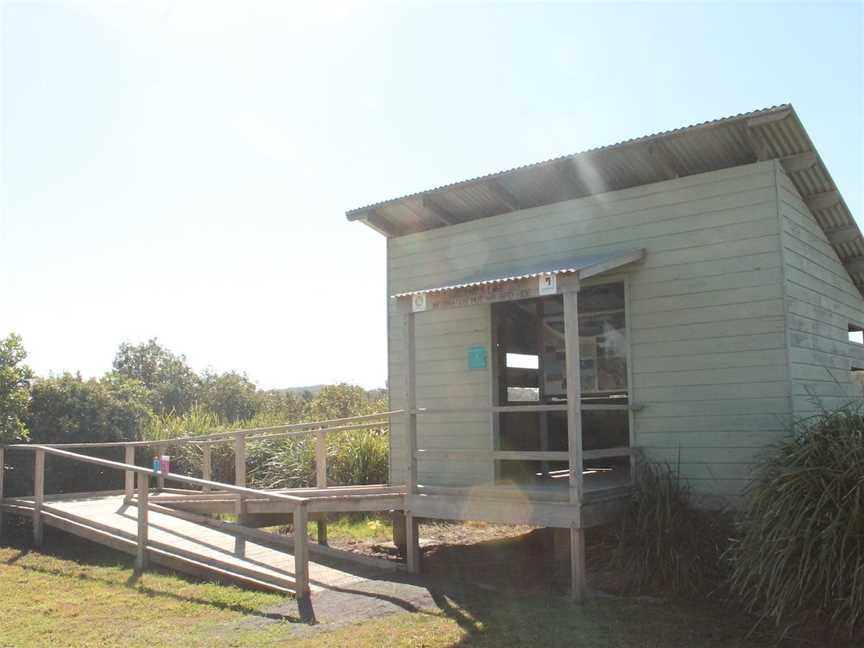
(771, 133)
(590, 264)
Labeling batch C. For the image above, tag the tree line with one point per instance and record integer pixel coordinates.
(149, 387)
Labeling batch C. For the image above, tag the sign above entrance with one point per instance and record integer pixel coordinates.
(548, 283)
(418, 302)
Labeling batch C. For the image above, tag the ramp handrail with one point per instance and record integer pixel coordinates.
(300, 504)
(240, 436)
(273, 432)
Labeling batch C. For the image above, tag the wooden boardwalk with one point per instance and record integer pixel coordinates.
(189, 546)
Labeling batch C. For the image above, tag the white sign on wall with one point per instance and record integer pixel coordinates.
(548, 284)
(418, 302)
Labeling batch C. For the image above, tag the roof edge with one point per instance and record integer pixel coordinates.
(357, 212)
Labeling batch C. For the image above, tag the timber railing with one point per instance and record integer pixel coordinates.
(239, 439)
(299, 505)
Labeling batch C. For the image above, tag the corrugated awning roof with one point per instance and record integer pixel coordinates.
(585, 266)
(772, 133)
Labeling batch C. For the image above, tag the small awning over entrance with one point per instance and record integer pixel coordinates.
(582, 266)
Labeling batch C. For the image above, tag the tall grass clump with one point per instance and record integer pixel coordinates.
(353, 458)
(186, 458)
(664, 544)
(798, 556)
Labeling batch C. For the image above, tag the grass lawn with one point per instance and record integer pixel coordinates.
(79, 594)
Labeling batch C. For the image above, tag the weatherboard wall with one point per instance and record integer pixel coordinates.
(708, 349)
(821, 303)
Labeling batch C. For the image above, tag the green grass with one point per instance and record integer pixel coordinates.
(87, 596)
(356, 527)
(76, 594)
(490, 620)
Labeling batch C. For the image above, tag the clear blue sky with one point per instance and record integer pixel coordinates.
(182, 170)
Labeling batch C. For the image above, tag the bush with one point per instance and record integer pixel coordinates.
(799, 551)
(665, 544)
(69, 409)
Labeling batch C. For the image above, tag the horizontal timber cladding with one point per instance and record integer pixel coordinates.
(822, 302)
(443, 381)
(708, 339)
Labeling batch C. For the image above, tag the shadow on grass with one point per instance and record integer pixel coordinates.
(99, 556)
(510, 593)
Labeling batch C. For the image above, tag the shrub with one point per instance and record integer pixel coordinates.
(664, 543)
(69, 409)
(799, 550)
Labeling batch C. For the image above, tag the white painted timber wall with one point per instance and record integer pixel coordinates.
(821, 303)
(709, 354)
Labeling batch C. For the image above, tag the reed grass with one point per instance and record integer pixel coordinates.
(353, 457)
(798, 556)
(664, 543)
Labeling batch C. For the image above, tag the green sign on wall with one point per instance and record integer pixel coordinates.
(477, 357)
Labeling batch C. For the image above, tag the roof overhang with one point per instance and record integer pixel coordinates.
(521, 282)
(772, 133)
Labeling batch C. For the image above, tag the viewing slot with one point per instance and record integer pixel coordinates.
(530, 362)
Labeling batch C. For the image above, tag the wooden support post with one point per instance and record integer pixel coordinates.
(398, 522)
(412, 535)
(129, 458)
(160, 480)
(143, 501)
(322, 529)
(301, 549)
(410, 378)
(38, 497)
(2, 475)
(577, 564)
(574, 394)
(574, 441)
(412, 543)
(206, 465)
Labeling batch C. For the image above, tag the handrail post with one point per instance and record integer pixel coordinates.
(2, 475)
(38, 496)
(301, 549)
(321, 479)
(160, 479)
(129, 458)
(240, 473)
(321, 459)
(240, 459)
(206, 465)
(143, 500)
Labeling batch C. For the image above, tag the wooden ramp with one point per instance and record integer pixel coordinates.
(186, 545)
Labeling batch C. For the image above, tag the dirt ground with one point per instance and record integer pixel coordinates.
(509, 558)
(488, 555)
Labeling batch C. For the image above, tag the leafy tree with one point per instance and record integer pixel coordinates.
(280, 406)
(231, 396)
(172, 383)
(68, 409)
(340, 401)
(14, 389)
